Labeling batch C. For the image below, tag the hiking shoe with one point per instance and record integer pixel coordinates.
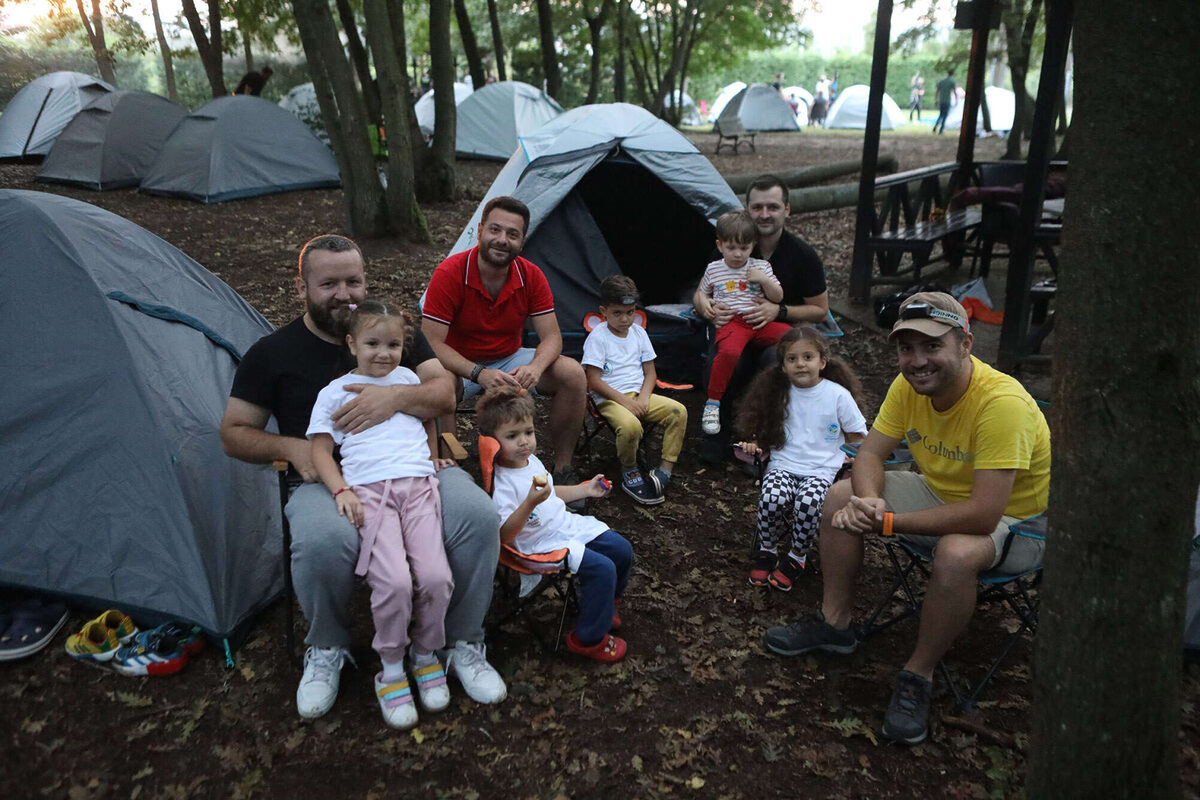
(640, 489)
(100, 638)
(395, 701)
(467, 661)
(710, 419)
(29, 627)
(608, 650)
(569, 477)
(153, 652)
(907, 717)
(761, 569)
(430, 680)
(319, 684)
(786, 572)
(808, 635)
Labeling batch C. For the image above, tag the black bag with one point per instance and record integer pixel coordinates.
(887, 309)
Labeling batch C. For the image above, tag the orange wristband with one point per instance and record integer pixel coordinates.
(888, 518)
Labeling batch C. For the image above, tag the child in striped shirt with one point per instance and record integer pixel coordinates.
(739, 283)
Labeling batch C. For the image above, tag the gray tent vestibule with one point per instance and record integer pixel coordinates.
(37, 114)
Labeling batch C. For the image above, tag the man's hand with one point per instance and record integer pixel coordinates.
(637, 406)
(527, 375)
(760, 315)
(299, 453)
(373, 405)
(861, 515)
(494, 379)
(440, 464)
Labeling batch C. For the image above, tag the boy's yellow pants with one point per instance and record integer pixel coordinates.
(663, 411)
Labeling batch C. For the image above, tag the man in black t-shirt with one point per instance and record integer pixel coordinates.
(280, 376)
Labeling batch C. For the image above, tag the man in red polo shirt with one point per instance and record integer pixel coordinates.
(475, 309)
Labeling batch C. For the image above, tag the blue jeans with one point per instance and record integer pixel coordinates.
(602, 574)
(943, 112)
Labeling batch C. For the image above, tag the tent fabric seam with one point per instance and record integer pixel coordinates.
(172, 315)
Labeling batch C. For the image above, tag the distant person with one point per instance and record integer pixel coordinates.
(944, 92)
(833, 88)
(915, 93)
(468, 80)
(820, 102)
(491, 77)
(254, 81)
(778, 84)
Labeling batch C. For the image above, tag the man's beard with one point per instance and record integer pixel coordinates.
(323, 317)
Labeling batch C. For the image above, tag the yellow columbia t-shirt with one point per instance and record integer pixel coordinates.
(995, 425)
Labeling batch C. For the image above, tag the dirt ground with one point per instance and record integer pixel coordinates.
(697, 709)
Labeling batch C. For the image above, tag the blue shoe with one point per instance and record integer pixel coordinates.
(29, 627)
(153, 652)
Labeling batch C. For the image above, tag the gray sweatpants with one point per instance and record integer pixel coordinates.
(325, 550)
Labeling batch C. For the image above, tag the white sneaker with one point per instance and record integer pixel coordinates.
(710, 420)
(319, 684)
(430, 680)
(396, 703)
(467, 661)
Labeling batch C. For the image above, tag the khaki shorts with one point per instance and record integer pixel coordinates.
(908, 491)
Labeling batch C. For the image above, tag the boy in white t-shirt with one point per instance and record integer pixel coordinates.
(619, 362)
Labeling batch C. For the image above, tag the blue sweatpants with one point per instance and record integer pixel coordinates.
(602, 576)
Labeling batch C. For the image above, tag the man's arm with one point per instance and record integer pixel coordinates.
(549, 348)
(374, 404)
(813, 311)
(978, 515)
(244, 437)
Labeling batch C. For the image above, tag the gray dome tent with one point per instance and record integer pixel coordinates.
(760, 107)
(612, 189)
(240, 146)
(112, 142)
(38, 113)
(492, 119)
(118, 493)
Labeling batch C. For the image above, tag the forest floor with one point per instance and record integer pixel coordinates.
(696, 709)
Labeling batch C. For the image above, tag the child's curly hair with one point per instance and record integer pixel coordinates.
(501, 405)
(765, 409)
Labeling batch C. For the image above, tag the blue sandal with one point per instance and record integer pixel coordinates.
(34, 624)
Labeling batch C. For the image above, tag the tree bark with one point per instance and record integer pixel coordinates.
(619, 62)
(209, 47)
(497, 40)
(437, 181)
(1106, 708)
(595, 25)
(549, 56)
(95, 33)
(247, 53)
(358, 55)
(165, 49)
(1019, 25)
(470, 46)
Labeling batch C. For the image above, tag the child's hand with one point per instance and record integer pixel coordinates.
(597, 487)
(756, 275)
(750, 448)
(350, 507)
(637, 406)
(539, 490)
(440, 464)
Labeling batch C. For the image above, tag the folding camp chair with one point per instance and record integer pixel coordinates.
(531, 575)
(1016, 591)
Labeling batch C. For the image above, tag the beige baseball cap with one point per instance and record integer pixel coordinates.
(931, 313)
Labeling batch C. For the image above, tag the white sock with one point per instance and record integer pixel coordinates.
(420, 659)
(393, 671)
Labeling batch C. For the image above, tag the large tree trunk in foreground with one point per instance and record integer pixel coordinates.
(165, 49)
(470, 46)
(208, 46)
(1125, 416)
(95, 33)
(436, 179)
(497, 40)
(549, 54)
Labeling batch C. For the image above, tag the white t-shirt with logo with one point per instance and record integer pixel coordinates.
(395, 448)
(818, 420)
(619, 359)
(551, 526)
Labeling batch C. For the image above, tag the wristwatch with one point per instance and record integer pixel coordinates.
(475, 373)
(782, 315)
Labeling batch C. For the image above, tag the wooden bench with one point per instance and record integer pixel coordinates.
(732, 133)
(918, 240)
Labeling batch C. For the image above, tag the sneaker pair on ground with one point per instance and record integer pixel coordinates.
(466, 661)
(769, 569)
(907, 717)
(113, 639)
(28, 626)
(647, 490)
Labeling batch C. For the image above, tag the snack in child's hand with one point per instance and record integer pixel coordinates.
(540, 481)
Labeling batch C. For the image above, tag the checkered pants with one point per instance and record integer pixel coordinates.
(790, 504)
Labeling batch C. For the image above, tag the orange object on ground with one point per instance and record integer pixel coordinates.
(977, 310)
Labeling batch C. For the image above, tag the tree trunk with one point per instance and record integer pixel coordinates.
(209, 47)
(549, 56)
(247, 53)
(595, 26)
(1106, 706)
(95, 33)
(470, 46)
(1019, 25)
(345, 119)
(497, 40)
(619, 62)
(358, 54)
(165, 49)
(437, 181)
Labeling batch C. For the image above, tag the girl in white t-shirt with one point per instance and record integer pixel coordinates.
(387, 489)
(803, 420)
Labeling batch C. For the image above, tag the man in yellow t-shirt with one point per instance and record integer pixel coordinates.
(983, 449)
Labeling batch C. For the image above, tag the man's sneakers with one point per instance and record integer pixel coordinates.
(467, 661)
(786, 572)
(710, 420)
(319, 685)
(907, 717)
(808, 635)
(98, 641)
(761, 568)
(608, 650)
(430, 680)
(646, 491)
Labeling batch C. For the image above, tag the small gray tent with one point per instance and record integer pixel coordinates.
(112, 141)
(240, 146)
(760, 107)
(612, 189)
(492, 119)
(38, 113)
(120, 356)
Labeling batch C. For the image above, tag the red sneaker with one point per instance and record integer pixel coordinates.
(608, 650)
(787, 572)
(760, 570)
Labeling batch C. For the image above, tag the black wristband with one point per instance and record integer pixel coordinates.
(782, 315)
(475, 373)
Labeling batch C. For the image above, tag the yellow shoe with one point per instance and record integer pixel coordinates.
(100, 638)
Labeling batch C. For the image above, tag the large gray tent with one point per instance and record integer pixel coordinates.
(492, 119)
(112, 142)
(38, 113)
(120, 354)
(240, 146)
(760, 107)
(612, 189)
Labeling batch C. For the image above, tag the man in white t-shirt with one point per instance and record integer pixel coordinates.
(619, 362)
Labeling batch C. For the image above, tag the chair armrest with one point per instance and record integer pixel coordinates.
(451, 444)
(281, 465)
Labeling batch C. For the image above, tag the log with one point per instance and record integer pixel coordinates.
(807, 176)
(824, 198)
